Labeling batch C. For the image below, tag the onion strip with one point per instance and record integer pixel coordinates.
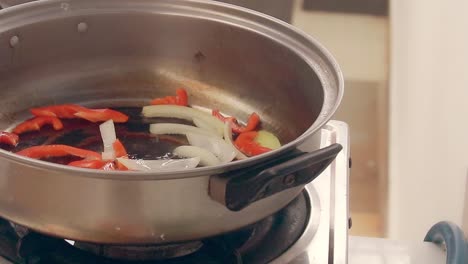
(170, 128)
(182, 112)
(204, 125)
(206, 158)
(222, 150)
(228, 139)
(108, 138)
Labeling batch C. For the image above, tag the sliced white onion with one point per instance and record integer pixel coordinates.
(228, 139)
(170, 128)
(160, 165)
(217, 146)
(206, 158)
(108, 138)
(204, 125)
(183, 112)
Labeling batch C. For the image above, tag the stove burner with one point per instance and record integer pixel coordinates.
(258, 243)
(156, 252)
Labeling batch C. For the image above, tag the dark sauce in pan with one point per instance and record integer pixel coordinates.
(134, 134)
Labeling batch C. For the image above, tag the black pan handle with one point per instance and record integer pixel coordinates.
(238, 189)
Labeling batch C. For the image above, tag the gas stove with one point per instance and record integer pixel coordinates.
(325, 237)
(313, 228)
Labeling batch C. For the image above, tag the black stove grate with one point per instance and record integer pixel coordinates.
(257, 243)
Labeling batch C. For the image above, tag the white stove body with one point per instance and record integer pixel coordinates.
(325, 239)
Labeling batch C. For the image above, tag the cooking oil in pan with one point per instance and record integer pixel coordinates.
(134, 134)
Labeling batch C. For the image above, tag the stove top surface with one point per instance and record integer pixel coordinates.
(311, 229)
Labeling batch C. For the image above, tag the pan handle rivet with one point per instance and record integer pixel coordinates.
(82, 27)
(289, 180)
(14, 41)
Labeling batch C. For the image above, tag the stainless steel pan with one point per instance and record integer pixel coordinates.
(120, 53)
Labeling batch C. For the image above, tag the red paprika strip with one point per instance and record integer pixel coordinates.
(216, 113)
(66, 111)
(181, 98)
(102, 115)
(37, 123)
(88, 164)
(245, 142)
(39, 152)
(69, 111)
(252, 122)
(119, 149)
(9, 138)
(98, 164)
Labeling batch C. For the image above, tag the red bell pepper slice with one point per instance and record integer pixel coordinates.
(181, 99)
(88, 164)
(119, 149)
(245, 142)
(98, 164)
(67, 111)
(9, 138)
(252, 122)
(45, 151)
(101, 115)
(37, 123)
(168, 100)
(216, 113)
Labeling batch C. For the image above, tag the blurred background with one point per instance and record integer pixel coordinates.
(404, 64)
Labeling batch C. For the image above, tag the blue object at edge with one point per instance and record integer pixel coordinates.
(452, 236)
